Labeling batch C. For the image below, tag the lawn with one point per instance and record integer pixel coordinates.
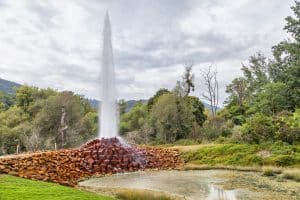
(14, 188)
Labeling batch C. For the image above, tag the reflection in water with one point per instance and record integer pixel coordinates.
(219, 194)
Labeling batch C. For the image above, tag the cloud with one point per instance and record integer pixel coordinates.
(57, 43)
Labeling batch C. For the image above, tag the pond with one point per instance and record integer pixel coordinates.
(198, 184)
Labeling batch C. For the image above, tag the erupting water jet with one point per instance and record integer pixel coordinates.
(108, 107)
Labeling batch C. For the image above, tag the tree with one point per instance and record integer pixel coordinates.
(153, 99)
(197, 108)
(286, 64)
(256, 73)
(188, 79)
(211, 94)
(48, 120)
(238, 91)
(171, 117)
(24, 96)
(272, 99)
(134, 119)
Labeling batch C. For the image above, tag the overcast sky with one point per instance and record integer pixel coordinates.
(57, 43)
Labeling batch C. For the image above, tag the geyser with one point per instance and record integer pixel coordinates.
(108, 107)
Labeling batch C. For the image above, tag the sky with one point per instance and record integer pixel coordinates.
(57, 43)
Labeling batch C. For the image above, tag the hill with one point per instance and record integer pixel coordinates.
(8, 86)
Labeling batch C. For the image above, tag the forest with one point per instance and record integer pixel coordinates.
(263, 106)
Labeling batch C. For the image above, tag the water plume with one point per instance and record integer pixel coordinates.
(108, 106)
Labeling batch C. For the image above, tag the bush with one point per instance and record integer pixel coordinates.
(284, 160)
(268, 172)
(288, 127)
(258, 128)
(216, 127)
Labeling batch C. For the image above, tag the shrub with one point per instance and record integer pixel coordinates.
(284, 160)
(268, 172)
(258, 128)
(288, 127)
(216, 127)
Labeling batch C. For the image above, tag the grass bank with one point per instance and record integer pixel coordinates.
(14, 188)
(280, 155)
(280, 160)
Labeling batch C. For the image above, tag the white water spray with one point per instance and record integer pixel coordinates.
(108, 107)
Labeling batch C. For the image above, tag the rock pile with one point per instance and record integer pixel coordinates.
(105, 156)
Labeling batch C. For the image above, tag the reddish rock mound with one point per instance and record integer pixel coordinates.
(105, 156)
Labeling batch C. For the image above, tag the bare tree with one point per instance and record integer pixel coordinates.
(211, 94)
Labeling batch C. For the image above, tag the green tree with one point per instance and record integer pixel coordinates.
(172, 118)
(48, 120)
(256, 73)
(153, 99)
(24, 96)
(286, 64)
(272, 99)
(134, 119)
(197, 108)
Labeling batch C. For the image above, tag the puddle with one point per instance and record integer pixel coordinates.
(189, 185)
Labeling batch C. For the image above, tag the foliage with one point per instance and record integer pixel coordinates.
(13, 188)
(171, 117)
(258, 128)
(197, 108)
(153, 99)
(272, 99)
(33, 122)
(6, 100)
(134, 119)
(214, 128)
(288, 127)
(245, 155)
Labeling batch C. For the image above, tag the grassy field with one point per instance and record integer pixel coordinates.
(13, 188)
(242, 154)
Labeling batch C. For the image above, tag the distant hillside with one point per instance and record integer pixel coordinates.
(130, 103)
(208, 107)
(8, 86)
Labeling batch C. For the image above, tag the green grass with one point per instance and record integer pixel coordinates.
(13, 188)
(245, 155)
(133, 194)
